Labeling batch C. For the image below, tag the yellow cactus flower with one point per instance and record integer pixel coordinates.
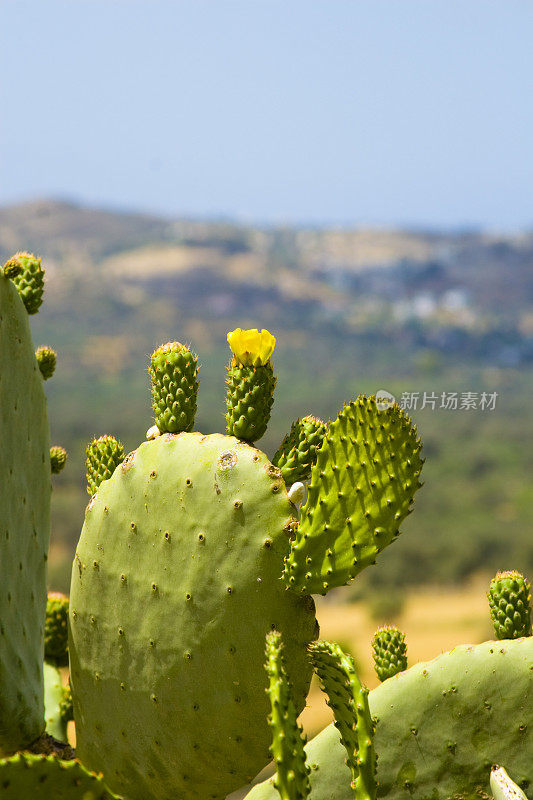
(251, 348)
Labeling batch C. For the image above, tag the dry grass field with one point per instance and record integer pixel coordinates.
(433, 620)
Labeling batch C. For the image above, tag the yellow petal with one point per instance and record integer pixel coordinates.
(251, 347)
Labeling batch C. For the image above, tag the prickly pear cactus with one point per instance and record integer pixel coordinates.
(28, 276)
(441, 725)
(175, 583)
(250, 383)
(174, 374)
(24, 524)
(56, 629)
(349, 700)
(102, 457)
(362, 487)
(510, 605)
(298, 450)
(288, 739)
(389, 652)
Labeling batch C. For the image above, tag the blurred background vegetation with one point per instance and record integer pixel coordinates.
(353, 310)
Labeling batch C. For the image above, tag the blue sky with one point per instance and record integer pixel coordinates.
(402, 112)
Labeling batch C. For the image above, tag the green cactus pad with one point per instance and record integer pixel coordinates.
(288, 740)
(53, 695)
(510, 605)
(174, 587)
(362, 487)
(102, 457)
(24, 526)
(441, 725)
(349, 701)
(58, 459)
(174, 374)
(249, 400)
(46, 359)
(26, 776)
(56, 629)
(298, 450)
(389, 652)
(28, 276)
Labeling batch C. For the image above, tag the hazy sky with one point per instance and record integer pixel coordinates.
(353, 111)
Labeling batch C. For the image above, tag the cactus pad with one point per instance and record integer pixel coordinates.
(24, 526)
(28, 276)
(53, 695)
(362, 487)
(102, 457)
(510, 605)
(389, 652)
(349, 701)
(175, 584)
(45, 777)
(46, 359)
(174, 374)
(288, 740)
(441, 725)
(298, 450)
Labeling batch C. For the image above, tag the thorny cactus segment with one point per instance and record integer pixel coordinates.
(440, 726)
(56, 629)
(249, 400)
(288, 739)
(102, 457)
(45, 777)
(349, 701)
(12, 268)
(503, 788)
(174, 374)
(389, 652)
(251, 348)
(46, 360)
(27, 274)
(298, 450)
(58, 459)
(510, 605)
(24, 526)
(361, 489)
